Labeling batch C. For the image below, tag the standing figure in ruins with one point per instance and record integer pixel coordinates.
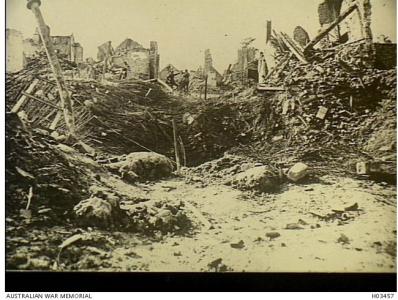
(171, 78)
(125, 71)
(262, 69)
(186, 81)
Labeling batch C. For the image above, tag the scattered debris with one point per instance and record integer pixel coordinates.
(293, 226)
(238, 245)
(343, 239)
(272, 235)
(353, 207)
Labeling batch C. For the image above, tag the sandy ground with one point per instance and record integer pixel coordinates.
(241, 222)
(303, 228)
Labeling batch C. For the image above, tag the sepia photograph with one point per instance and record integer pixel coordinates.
(205, 136)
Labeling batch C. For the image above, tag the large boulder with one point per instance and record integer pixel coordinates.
(143, 165)
(260, 179)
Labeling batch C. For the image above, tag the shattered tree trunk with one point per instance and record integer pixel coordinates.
(66, 102)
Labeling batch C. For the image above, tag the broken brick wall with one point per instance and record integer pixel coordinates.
(356, 26)
(105, 50)
(138, 60)
(63, 45)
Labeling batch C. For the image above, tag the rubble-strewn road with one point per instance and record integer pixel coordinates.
(250, 232)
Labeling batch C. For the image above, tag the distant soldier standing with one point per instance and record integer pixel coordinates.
(125, 71)
(171, 78)
(186, 81)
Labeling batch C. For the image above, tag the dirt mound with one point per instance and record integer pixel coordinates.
(260, 179)
(218, 170)
(142, 166)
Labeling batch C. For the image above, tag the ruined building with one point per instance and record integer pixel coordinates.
(246, 65)
(66, 46)
(143, 62)
(14, 51)
(105, 50)
(354, 27)
(213, 76)
(358, 27)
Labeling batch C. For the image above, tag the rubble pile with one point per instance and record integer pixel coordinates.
(35, 161)
(142, 166)
(56, 180)
(131, 116)
(113, 117)
(151, 216)
(381, 129)
(331, 108)
(221, 124)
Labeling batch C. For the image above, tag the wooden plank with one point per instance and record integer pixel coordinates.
(41, 100)
(57, 118)
(177, 154)
(165, 85)
(22, 100)
(270, 88)
(281, 65)
(296, 52)
(332, 25)
(284, 65)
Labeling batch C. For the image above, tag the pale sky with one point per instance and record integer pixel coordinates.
(182, 28)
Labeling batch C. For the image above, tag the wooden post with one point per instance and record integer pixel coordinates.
(206, 76)
(66, 102)
(176, 146)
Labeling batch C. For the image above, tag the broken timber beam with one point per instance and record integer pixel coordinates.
(42, 101)
(279, 67)
(66, 102)
(270, 88)
(165, 84)
(283, 66)
(177, 155)
(324, 32)
(293, 49)
(22, 100)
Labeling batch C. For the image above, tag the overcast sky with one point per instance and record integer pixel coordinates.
(182, 28)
